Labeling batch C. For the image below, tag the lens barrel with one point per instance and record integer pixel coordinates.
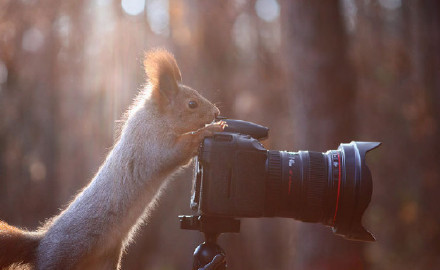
(332, 188)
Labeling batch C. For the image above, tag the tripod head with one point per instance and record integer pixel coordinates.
(209, 255)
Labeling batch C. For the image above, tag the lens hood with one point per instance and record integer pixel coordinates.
(356, 190)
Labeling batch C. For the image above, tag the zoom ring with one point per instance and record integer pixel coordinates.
(273, 183)
(316, 187)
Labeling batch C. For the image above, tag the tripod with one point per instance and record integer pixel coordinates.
(209, 255)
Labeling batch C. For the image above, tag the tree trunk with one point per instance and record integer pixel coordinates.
(425, 54)
(322, 102)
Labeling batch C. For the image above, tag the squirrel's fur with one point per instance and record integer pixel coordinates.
(161, 134)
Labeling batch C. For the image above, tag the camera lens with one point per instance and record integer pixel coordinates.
(332, 188)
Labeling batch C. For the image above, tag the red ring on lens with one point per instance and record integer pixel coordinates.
(339, 189)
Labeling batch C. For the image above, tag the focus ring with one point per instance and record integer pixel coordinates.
(273, 183)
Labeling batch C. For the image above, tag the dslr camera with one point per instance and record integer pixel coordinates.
(236, 177)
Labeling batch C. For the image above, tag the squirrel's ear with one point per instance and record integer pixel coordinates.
(163, 75)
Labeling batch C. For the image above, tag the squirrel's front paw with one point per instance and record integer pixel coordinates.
(191, 140)
(209, 129)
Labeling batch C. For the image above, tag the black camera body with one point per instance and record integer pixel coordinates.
(228, 175)
(236, 177)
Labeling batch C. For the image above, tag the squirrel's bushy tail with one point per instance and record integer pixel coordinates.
(17, 246)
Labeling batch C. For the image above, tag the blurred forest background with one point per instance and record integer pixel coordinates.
(317, 73)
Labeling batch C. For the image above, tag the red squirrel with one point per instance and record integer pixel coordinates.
(162, 132)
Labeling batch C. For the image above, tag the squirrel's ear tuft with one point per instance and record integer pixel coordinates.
(163, 74)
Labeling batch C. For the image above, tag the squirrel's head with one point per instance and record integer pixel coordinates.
(183, 107)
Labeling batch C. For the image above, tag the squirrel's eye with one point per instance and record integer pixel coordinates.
(192, 104)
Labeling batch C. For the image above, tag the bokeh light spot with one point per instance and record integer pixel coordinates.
(242, 31)
(267, 10)
(38, 171)
(391, 4)
(133, 7)
(158, 16)
(32, 40)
